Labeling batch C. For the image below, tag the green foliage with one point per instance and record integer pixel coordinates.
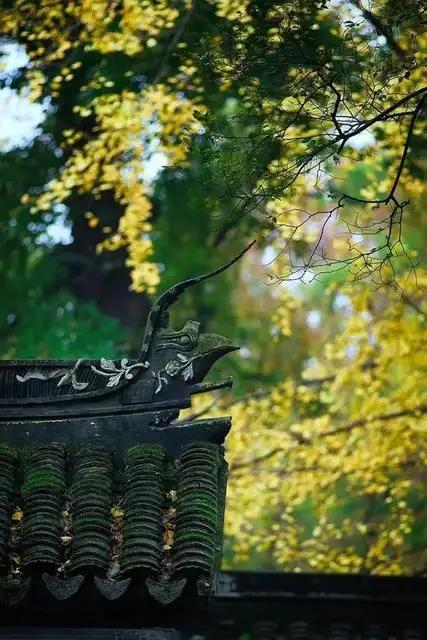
(58, 326)
(269, 84)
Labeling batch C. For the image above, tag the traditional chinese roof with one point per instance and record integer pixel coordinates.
(98, 483)
(73, 514)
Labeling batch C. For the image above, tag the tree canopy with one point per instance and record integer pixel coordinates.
(175, 131)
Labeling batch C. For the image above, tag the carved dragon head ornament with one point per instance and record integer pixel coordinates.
(166, 356)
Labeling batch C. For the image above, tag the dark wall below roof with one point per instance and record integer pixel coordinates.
(248, 606)
(88, 634)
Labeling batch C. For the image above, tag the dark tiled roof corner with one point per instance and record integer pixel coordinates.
(168, 533)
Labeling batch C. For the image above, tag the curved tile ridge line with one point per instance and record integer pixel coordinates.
(43, 493)
(143, 506)
(91, 498)
(197, 512)
(7, 480)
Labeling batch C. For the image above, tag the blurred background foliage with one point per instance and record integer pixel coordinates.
(164, 136)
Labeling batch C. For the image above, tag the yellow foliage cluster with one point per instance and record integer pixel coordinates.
(112, 156)
(57, 34)
(113, 160)
(127, 26)
(232, 9)
(328, 471)
(352, 430)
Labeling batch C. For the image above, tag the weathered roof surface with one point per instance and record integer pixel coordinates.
(73, 515)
